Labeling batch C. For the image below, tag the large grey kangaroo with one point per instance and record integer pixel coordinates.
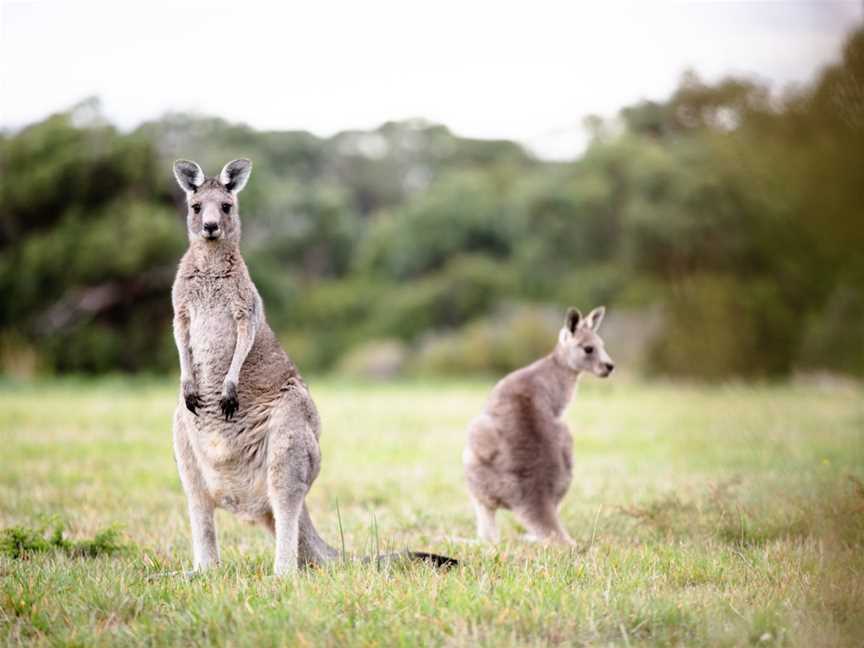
(245, 429)
(520, 454)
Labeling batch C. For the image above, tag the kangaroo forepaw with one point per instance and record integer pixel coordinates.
(190, 396)
(228, 403)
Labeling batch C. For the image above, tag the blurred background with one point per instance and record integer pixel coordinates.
(434, 184)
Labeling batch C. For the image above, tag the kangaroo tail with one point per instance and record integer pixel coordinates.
(313, 550)
(406, 557)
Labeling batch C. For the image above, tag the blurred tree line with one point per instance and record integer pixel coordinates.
(734, 211)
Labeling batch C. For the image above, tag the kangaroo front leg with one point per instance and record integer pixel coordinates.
(246, 329)
(187, 381)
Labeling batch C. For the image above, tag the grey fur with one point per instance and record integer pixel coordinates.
(189, 175)
(235, 174)
(245, 428)
(520, 453)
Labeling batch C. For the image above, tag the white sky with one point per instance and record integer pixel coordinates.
(528, 71)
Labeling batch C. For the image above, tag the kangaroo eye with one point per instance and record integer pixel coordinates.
(226, 208)
(196, 208)
(588, 350)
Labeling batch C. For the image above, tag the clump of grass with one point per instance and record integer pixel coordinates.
(664, 515)
(716, 513)
(858, 494)
(21, 542)
(750, 532)
(104, 543)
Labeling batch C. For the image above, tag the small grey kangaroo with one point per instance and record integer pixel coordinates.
(520, 453)
(246, 428)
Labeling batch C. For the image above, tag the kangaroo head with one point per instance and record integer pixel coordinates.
(579, 346)
(213, 212)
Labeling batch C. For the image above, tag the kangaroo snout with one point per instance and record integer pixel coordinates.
(608, 368)
(211, 231)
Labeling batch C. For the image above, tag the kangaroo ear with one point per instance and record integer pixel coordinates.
(235, 174)
(571, 322)
(595, 317)
(189, 175)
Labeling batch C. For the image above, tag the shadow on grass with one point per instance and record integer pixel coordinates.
(721, 513)
(769, 532)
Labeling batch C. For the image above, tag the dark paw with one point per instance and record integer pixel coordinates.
(190, 396)
(228, 403)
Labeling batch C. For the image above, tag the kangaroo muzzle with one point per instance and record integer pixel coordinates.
(210, 230)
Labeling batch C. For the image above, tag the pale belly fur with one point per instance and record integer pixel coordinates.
(230, 454)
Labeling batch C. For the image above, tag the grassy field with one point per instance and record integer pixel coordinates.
(716, 516)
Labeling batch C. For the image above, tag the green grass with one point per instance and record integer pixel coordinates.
(719, 516)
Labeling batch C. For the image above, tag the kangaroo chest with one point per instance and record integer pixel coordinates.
(212, 328)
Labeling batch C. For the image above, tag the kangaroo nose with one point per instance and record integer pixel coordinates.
(608, 366)
(210, 227)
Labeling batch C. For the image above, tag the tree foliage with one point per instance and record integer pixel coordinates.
(736, 209)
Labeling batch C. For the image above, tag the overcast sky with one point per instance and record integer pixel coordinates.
(528, 71)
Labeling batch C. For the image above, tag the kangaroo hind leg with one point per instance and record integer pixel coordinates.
(205, 547)
(543, 523)
(293, 461)
(487, 529)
